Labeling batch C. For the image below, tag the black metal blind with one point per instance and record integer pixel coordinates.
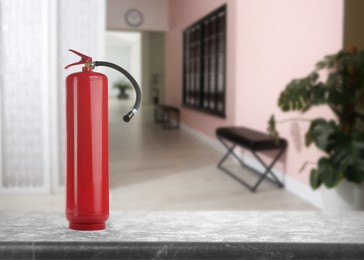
(204, 45)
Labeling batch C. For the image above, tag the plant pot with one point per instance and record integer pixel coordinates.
(346, 196)
(123, 96)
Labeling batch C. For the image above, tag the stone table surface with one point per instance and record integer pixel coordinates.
(186, 235)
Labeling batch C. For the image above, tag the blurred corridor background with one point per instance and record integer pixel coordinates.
(268, 43)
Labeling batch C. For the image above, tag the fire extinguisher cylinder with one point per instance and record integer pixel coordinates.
(87, 178)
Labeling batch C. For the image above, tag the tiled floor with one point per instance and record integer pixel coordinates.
(156, 169)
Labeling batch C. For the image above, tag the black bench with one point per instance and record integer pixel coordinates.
(255, 142)
(164, 113)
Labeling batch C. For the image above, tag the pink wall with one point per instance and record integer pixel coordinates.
(269, 43)
(181, 15)
(278, 41)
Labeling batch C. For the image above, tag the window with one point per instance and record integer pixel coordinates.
(204, 45)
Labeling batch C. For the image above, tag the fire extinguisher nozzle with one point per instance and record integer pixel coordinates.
(128, 116)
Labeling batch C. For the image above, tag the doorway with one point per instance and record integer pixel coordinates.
(123, 49)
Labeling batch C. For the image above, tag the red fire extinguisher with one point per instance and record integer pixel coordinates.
(87, 179)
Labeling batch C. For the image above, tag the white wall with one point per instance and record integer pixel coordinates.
(157, 64)
(123, 49)
(121, 57)
(155, 14)
(152, 64)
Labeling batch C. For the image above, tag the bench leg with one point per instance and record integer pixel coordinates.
(167, 119)
(252, 188)
(230, 151)
(269, 169)
(177, 118)
(158, 115)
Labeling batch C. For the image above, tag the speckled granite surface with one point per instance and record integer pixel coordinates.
(186, 235)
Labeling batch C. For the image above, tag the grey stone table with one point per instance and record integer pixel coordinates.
(186, 235)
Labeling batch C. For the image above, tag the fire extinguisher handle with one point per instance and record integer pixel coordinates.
(135, 84)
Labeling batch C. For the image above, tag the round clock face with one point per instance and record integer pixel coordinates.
(134, 17)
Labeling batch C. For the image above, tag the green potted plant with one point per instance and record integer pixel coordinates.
(342, 137)
(122, 85)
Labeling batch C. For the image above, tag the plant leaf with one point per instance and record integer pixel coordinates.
(328, 172)
(272, 129)
(303, 167)
(347, 153)
(296, 95)
(356, 174)
(318, 94)
(319, 133)
(315, 180)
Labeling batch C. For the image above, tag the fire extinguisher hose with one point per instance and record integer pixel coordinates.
(135, 84)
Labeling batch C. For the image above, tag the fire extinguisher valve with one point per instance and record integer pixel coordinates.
(84, 60)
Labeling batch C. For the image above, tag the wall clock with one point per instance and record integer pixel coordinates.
(133, 17)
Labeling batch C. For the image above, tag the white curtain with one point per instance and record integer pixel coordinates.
(23, 95)
(34, 35)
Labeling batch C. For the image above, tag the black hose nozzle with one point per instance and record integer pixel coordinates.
(129, 116)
